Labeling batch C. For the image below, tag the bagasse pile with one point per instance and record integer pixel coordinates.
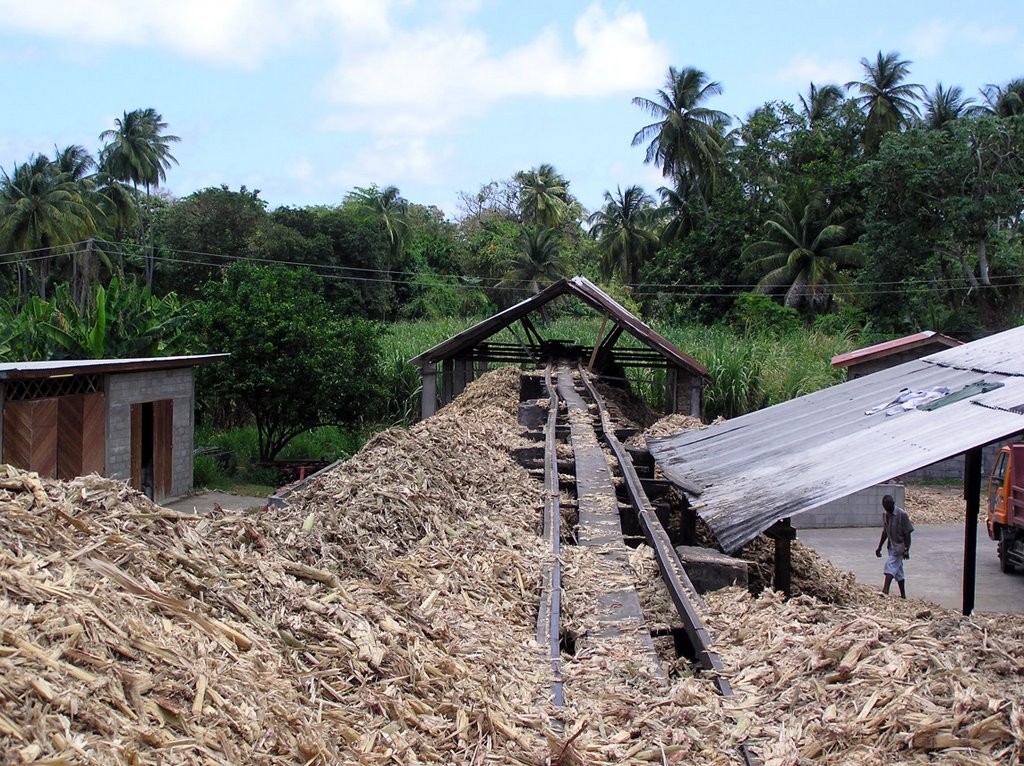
(888, 682)
(387, 617)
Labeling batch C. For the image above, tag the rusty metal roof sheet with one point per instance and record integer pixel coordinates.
(879, 350)
(23, 370)
(585, 290)
(799, 455)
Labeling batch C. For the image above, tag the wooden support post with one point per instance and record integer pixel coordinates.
(671, 394)
(428, 396)
(783, 534)
(447, 381)
(597, 344)
(972, 496)
(689, 530)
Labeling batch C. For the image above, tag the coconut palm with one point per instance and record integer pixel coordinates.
(537, 262)
(801, 255)
(391, 210)
(686, 139)
(41, 208)
(944, 105)
(820, 103)
(138, 151)
(1006, 100)
(543, 196)
(889, 103)
(624, 230)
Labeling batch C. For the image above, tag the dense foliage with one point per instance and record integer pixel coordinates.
(294, 364)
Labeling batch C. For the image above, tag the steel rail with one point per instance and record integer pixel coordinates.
(549, 612)
(680, 588)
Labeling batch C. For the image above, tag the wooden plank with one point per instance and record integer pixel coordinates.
(44, 437)
(163, 448)
(18, 434)
(135, 439)
(94, 434)
(70, 421)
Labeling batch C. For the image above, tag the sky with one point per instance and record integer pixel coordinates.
(306, 100)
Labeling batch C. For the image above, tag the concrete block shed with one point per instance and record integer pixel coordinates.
(128, 419)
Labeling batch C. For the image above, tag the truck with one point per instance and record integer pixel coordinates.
(1006, 506)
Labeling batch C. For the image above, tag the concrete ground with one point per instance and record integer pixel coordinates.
(935, 569)
(203, 503)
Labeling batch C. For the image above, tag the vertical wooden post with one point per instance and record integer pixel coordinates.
(972, 497)
(447, 381)
(783, 557)
(597, 344)
(671, 389)
(428, 396)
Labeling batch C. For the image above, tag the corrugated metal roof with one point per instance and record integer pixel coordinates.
(21, 370)
(879, 350)
(583, 289)
(799, 455)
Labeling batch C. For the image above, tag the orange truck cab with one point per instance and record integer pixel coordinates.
(1006, 506)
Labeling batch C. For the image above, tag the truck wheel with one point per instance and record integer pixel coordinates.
(1005, 565)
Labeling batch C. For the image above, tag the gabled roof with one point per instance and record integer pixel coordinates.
(585, 290)
(879, 350)
(25, 370)
(799, 455)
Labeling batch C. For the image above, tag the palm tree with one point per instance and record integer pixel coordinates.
(1006, 100)
(137, 150)
(821, 103)
(537, 263)
(801, 255)
(391, 210)
(41, 208)
(944, 105)
(624, 230)
(687, 138)
(678, 215)
(543, 196)
(889, 102)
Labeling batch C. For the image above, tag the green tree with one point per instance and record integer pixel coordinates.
(536, 263)
(820, 103)
(294, 365)
(625, 232)
(802, 255)
(889, 103)
(1005, 100)
(42, 207)
(138, 150)
(687, 137)
(943, 105)
(544, 196)
(391, 211)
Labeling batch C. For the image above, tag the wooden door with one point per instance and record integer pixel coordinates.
(80, 444)
(152, 447)
(30, 435)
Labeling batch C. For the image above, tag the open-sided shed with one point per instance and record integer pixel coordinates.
(747, 474)
(469, 354)
(129, 419)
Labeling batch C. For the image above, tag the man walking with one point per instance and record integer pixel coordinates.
(896, 528)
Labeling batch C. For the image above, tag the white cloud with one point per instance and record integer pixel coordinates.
(425, 80)
(934, 38)
(387, 159)
(800, 71)
(235, 31)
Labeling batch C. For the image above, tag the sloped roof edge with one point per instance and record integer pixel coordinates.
(885, 348)
(583, 289)
(25, 370)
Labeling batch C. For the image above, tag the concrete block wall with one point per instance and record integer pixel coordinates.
(127, 389)
(861, 509)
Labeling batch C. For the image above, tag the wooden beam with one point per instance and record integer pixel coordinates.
(597, 343)
(428, 395)
(972, 496)
(783, 554)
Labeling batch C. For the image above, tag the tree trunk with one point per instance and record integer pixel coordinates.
(983, 261)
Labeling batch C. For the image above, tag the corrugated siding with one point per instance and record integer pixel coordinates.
(799, 455)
